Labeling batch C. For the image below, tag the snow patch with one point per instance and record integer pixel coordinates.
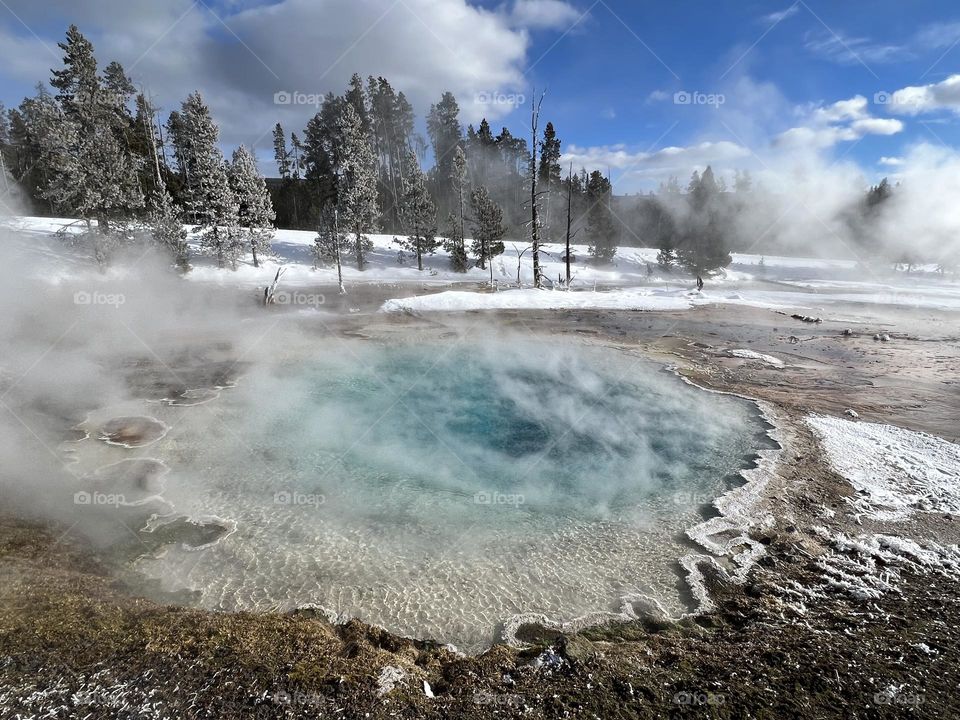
(751, 355)
(389, 678)
(532, 299)
(894, 471)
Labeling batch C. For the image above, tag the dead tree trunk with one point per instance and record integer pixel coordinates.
(569, 202)
(534, 211)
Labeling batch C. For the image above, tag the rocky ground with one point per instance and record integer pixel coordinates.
(77, 638)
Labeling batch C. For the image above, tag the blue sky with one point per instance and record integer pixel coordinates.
(757, 78)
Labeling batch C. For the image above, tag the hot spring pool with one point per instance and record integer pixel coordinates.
(440, 489)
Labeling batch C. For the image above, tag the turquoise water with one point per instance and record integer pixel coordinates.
(437, 490)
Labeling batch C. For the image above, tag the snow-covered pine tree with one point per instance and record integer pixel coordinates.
(254, 210)
(92, 173)
(166, 223)
(4, 126)
(209, 200)
(144, 143)
(487, 225)
(454, 244)
(418, 213)
(356, 182)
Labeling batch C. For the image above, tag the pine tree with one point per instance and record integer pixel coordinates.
(454, 244)
(356, 182)
(144, 143)
(296, 156)
(4, 126)
(601, 231)
(357, 97)
(443, 127)
(77, 81)
(178, 142)
(321, 150)
(392, 128)
(487, 225)
(90, 169)
(549, 171)
(296, 168)
(419, 213)
(703, 240)
(254, 210)
(209, 199)
(455, 241)
(280, 154)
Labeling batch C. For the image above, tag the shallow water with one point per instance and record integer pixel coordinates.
(439, 489)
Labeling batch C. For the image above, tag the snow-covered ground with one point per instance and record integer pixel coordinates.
(634, 281)
(894, 471)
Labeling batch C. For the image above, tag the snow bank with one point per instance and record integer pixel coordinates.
(532, 299)
(792, 283)
(894, 471)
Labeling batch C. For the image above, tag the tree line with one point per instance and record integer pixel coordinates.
(91, 149)
(94, 148)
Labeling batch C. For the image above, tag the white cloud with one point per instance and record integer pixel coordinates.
(544, 14)
(842, 121)
(809, 137)
(877, 126)
(915, 100)
(852, 109)
(781, 15)
(939, 36)
(892, 161)
(240, 58)
(848, 50)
